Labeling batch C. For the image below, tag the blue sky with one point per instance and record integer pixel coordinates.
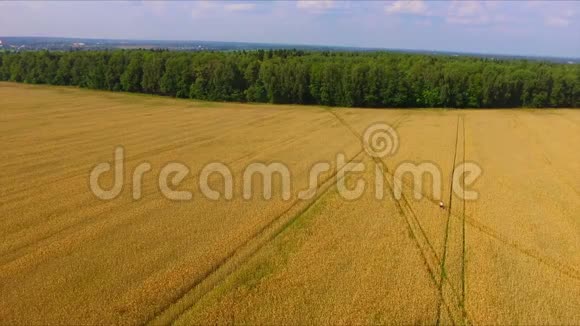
(519, 27)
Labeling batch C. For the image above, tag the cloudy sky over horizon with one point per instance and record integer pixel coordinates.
(513, 27)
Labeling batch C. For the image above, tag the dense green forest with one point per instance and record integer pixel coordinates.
(377, 79)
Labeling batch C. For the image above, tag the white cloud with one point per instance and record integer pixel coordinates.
(412, 7)
(240, 6)
(314, 5)
(468, 13)
(158, 8)
(201, 7)
(466, 8)
(562, 19)
(556, 21)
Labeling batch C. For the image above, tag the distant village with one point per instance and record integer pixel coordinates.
(63, 44)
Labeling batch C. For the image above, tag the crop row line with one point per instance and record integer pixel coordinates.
(446, 236)
(427, 250)
(463, 236)
(240, 255)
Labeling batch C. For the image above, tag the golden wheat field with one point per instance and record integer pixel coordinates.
(512, 256)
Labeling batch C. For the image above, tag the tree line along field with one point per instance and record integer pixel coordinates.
(349, 79)
(67, 257)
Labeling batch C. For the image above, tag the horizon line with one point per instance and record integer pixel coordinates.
(306, 45)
